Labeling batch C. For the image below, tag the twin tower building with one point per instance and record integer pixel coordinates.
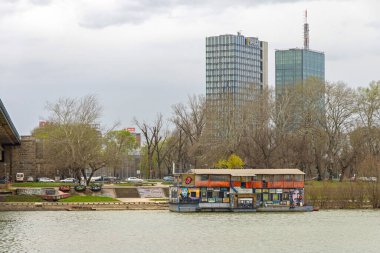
(237, 67)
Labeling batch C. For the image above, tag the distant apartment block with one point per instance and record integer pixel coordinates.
(295, 66)
(236, 67)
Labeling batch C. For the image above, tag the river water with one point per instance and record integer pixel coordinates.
(166, 232)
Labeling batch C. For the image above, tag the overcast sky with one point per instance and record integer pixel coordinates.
(139, 57)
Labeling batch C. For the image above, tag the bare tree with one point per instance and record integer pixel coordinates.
(149, 134)
(72, 136)
(155, 136)
(368, 104)
(337, 123)
(259, 141)
(190, 120)
(161, 148)
(118, 144)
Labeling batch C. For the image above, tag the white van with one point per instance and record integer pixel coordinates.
(19, 177)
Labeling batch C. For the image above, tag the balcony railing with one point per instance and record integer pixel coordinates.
(254, 184)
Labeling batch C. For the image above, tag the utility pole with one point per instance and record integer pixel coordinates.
(306, 33)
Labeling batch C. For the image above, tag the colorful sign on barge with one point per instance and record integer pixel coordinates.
(241, 190)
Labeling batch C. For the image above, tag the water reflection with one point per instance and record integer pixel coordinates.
(163, 231)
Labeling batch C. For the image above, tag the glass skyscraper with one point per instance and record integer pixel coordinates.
(295, 66)
(236, 68)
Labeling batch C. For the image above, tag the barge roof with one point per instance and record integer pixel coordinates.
(247, 172)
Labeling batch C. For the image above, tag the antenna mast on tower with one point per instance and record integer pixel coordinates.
(306, 33)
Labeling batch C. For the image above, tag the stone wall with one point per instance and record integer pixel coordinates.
(26, 158)
(6, 162)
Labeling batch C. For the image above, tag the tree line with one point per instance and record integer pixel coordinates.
(325, 129)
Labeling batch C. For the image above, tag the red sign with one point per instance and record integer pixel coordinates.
(131, 129)
(188, 180)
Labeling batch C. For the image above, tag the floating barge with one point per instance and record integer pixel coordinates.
(239, 190)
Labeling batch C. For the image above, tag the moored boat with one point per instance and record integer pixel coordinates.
(80, 188)
(239, 190)
(64, 188)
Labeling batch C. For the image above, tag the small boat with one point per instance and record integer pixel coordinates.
(51, 194)
(64, 188)
(95, 188)
(80, 188)
(55, 197)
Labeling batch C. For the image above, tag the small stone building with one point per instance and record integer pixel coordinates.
(20, 154)
(28, 159)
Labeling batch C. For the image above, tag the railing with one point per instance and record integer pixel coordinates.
(285, 184)
(254, 184)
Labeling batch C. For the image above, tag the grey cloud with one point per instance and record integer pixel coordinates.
(41, 2)
(10, 7)
(137, 11)
(375, 24)
(124, 12)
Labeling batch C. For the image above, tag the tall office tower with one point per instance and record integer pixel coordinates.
(295, 66)
(236, 71)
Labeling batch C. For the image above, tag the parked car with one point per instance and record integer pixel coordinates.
(19, 177)
(168, 179)
(45, 180)
(106, 179)
(134, 179)
(68, 180)
(30, 179)
(3, 180)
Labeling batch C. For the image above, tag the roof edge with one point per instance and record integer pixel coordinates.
(10, 123)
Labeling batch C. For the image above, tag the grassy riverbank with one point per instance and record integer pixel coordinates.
(23, 198)
(345, 195)
(80, 199)
(73, 199)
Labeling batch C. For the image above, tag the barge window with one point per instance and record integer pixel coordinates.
(203, 177)
(219, 178)
(258, 197)
(268, 178)
(299, 178)
(288, 178)
(245, 179)
(236, 179)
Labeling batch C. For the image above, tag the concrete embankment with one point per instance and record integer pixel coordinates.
(87, 206)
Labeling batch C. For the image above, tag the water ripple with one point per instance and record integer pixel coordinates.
(166, 232)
